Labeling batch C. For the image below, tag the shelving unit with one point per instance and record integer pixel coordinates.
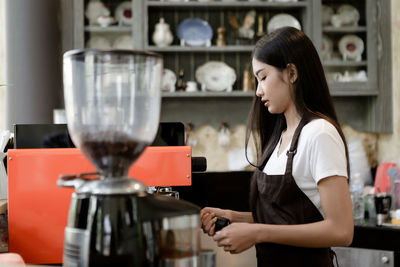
(366, 105)
(216, 49)
(338, 65)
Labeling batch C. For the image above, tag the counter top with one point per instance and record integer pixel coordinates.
(368, 235)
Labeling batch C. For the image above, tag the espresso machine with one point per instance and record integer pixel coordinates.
(112, 102)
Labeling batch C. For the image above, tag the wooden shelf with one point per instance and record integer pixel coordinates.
(338, 89)
(351, 89)
(187, 49)
(117, 29)
(181, 94)
(344, 29)
(341, 63)
(228, 4)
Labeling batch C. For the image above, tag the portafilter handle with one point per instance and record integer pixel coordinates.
(199, 164)
(75, 180)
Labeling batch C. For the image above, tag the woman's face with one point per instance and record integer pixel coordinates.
(273, 87)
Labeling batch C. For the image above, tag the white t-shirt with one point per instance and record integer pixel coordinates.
(320, 154)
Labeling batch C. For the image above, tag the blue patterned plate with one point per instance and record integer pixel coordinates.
(195, 32)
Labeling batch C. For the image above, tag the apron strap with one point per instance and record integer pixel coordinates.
(293, 146)
(332, 254)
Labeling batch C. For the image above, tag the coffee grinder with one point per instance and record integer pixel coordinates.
(112, 102)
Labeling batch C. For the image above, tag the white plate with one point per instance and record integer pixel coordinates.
(216, 76)
(168, 81)
(282, 20)
(123, 13)
(98, 42)
(351, 47)
(123, 42)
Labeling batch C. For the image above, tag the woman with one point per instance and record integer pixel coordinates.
(300, 201)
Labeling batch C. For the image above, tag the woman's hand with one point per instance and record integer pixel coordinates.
(209, 216)
(236, 237)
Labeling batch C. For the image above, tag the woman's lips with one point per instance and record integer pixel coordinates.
(266, 102)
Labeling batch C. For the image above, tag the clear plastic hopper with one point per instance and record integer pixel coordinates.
(112, 103)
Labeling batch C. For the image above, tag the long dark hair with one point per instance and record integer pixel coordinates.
(311, 95)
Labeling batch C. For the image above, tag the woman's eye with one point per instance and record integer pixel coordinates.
(263, 78)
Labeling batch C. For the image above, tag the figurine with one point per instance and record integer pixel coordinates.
(248, 81)
(234, 23)
(181, 85)
(162, 35)
(247, 29)
(260, 30)
(221, 40)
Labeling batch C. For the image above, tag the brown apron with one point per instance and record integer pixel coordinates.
(281, 201)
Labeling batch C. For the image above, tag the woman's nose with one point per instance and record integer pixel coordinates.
(259, 92)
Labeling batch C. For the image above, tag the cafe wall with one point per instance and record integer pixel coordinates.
(2, 70)
(388, 145)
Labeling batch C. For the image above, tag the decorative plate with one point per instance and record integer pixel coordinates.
(98, 42)
(351, 47)
(216, 76)
(168, 80)
(123, 42)
(195, 32)
(282, 20)
(123, 13)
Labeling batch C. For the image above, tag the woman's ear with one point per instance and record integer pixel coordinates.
(293, 74)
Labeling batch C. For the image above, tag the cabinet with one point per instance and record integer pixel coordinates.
(365, 105)
(357, 257)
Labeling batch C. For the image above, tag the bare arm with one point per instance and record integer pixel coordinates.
(237, 216)
(335, 230)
